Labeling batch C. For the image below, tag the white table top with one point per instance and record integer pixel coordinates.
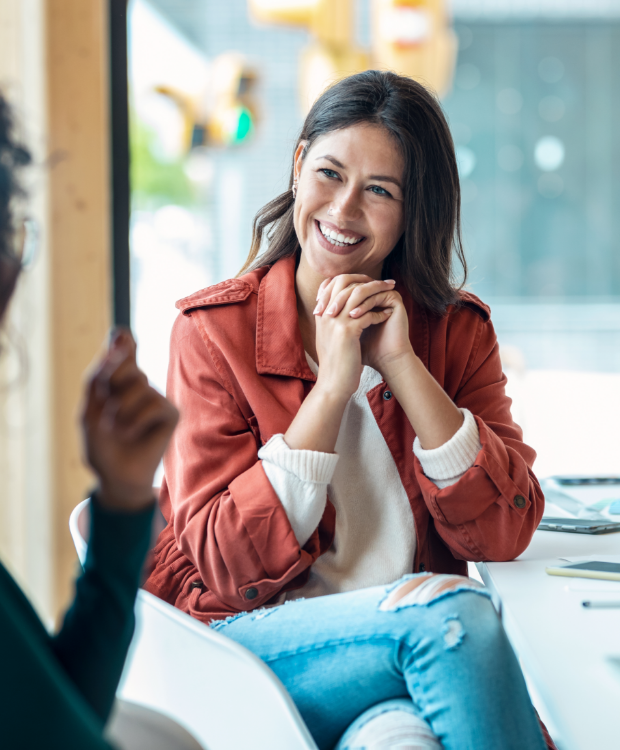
(563, 647)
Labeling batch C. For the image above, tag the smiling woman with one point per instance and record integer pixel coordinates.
(380, 119)
(347, 443)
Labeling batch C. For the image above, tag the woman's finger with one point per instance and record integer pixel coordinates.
(155, 416)
(354, 295)
(119, 359)
(322, 286)
(131, 402)
(379, 299)
(335, 286)
(374, 317)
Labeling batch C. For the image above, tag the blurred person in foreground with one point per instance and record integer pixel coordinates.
(57, 691)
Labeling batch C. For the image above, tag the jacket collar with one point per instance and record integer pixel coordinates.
(279, 347)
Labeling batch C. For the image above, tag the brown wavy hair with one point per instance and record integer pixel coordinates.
(423, 258)
(13, 156)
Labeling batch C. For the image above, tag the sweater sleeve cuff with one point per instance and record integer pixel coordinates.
(118, 540)
(307, 466)
(299, 479)
(452, 459)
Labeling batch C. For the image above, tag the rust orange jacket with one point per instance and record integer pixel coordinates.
(238, 374)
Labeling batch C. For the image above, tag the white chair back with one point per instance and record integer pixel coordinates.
(221, 692)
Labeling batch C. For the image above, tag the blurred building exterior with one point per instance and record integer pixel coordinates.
(532, 111)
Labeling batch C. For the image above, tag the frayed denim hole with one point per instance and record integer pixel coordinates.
(261, 613)
(443, 595)
(392, 586)
(453, 632)
(219, 624)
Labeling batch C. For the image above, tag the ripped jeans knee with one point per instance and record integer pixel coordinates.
(423, 590)
(393, 723)
(427, 588)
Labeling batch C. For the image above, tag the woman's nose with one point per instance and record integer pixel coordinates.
(346, 205)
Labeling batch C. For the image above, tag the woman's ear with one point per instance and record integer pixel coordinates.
(298, 159)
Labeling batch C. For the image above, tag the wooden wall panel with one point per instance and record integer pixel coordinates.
(79, 229)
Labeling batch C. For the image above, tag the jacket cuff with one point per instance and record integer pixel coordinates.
(447, 464)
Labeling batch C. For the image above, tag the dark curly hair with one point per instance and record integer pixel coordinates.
(424, 256)
(13, 156)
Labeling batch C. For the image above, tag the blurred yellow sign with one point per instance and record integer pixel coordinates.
(411, 37)
(414, 37)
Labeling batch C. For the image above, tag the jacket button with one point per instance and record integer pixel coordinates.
(251, 593)
(387, 395)
(520, 501)
(422, 567)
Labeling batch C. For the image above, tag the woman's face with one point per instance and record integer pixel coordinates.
(349, 211)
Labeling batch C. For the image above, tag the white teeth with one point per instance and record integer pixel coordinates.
(337, 238)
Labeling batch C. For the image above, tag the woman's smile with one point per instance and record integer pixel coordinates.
(340, 242)
(349, 209)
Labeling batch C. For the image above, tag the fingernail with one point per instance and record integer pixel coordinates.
(320, 291)
(354, 312)
(118, 338)
(389, 281)
(331, 309)
(318, 309)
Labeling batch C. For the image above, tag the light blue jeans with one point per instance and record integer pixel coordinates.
(339, 656)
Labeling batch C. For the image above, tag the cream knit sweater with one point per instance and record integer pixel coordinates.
(374, 541)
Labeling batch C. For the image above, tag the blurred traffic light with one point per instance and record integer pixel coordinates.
(225, 114)
(411, 37)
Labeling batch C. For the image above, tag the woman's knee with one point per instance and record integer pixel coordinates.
(394, 723)
(462, 603)
(427, 588)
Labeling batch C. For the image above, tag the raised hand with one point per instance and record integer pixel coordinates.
(126, 427)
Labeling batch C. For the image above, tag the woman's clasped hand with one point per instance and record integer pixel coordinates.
(364, 317)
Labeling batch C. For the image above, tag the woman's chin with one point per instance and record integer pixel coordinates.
(326, 265)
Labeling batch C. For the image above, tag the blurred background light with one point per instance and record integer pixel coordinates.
(466, 160)
(549, 153)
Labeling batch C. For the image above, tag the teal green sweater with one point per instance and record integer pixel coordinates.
(56, 691)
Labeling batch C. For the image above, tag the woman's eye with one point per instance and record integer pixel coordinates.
(329, 173)
(377, 190)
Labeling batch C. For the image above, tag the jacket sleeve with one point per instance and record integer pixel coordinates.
(227, 518)
(492, 512)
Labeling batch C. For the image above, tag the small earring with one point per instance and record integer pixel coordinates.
(294, 189)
